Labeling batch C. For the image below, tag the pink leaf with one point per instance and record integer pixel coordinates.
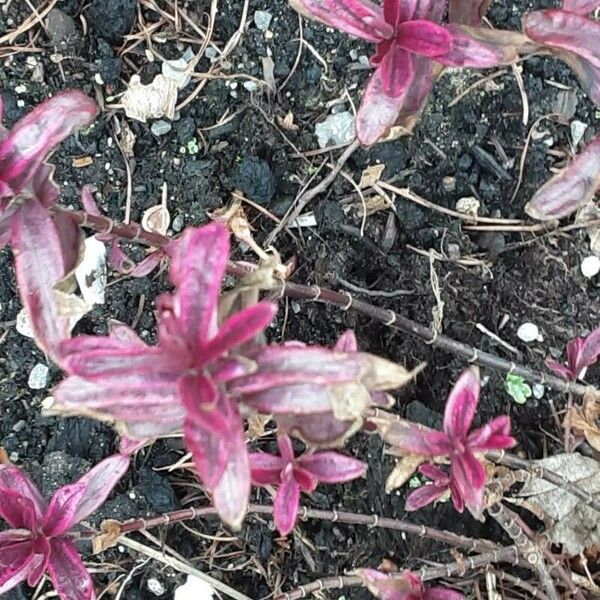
(238, 329)
(423, 496)
(265, 468)
(14, 479)
(482, 48)
(462, 404)
(41, 549)
(580, 7)
(96, 357)
(560, 369)
(28, 143)
(396, 12)
(297, 399)
(360, 18)
(17, 567)
(572, 188)
(197, 269)
(495, 435)
(60, 516)
(442, 593)
(467, 12)
(396, 71)
(574, 39)
(156, 405)
(12, 536)
(39, 265)
(210, 446)
(98, 483)
(423, 37)
(17, 510)
(285, 508)
(468, 475)
(231, 494)
(379, 110)
(68, 573)
(591, 349)
(413, 438)
(331, 467)
(286, 449)
(347, 342)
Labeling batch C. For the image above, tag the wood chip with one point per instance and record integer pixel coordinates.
(82, 161)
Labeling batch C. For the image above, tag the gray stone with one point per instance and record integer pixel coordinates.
(335, 130)
(262, 19)
(161, 127)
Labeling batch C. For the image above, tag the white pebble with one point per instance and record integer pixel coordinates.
(538, 390)
(528, 332)
(156, 586)
(590, 266)
(38, 378)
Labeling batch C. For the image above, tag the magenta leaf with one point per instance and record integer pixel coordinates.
(318, 431)
(572, 38)
(580, 7)
(292, 475)
(40, 540)
(462, 404)
(60, 516)
(28, 143)
(197, 269)
(347, 342)
(567, 191)
(331, 467)
(359, 18)
(13, 479)
(482, 48)
(424, 37)
(581, 353)
(285, 508)
(40, 264)
(68, 573)
(467, 475)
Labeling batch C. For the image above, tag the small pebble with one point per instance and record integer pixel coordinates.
(210, 53)
(528, 332)
(156, 586)
(251, 86)
(177, 223)
(19, 426)
(453, 251)
(590, 266)
(468, 205)
(38, 378)
(161, 127)
(335, 129)
(538, 390)
(577, 131)
(262, 19)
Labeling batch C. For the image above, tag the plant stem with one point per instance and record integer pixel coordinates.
(135, 233)
(336, 583)
(446, 537)
(536, 470)
(527, 548)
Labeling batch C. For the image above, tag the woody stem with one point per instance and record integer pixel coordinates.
(447, 537)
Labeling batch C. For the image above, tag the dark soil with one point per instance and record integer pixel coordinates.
(538, 281)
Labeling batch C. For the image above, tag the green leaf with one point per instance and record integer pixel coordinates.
(517, 388)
